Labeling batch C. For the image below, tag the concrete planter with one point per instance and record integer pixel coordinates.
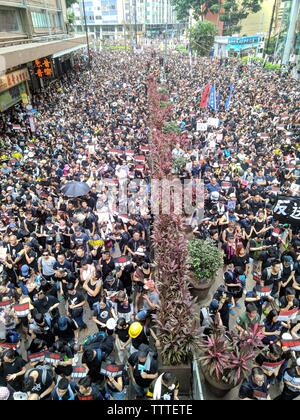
(184, 375)
(218, 388)
(200, 289)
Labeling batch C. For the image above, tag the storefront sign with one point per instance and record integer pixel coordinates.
(43, 67)
(13, 79)
(12, 96)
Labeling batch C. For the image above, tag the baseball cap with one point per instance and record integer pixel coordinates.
(143, 351)
(25, 270)
(214, 305)
(141, 316)
(110, 278)
(63, 323)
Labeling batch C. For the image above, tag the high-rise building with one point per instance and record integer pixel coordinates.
(35, 47)
(119, 19)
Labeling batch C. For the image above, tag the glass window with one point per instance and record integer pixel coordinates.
(39, 19)
(10, 21)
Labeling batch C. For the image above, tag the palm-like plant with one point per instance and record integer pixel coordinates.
(227, 356)
(215, 352)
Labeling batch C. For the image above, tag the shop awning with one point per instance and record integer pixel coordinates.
(68, 51)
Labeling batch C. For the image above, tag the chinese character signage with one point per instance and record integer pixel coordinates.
(287, 210)
(43, 68)
(13, 79)
(244, 40)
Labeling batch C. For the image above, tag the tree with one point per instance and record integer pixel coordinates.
(199, 7)
(70, 2)
(232, 12)
(202, 36)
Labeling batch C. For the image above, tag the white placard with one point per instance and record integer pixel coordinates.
(214, 122)
(201, 126)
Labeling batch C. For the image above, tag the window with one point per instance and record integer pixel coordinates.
(10, 21)
(39, 20)
(57, 20)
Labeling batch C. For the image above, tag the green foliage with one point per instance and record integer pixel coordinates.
(204, 258)
(271, 66)
(181, 49)
(231, 11)
(171, 127)
(179, 163)
(71, 16)
(70, 2)
(162, 90)
(116, 47)
(202, 36)
(164, 104)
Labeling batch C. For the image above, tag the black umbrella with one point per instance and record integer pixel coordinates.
(75, 189)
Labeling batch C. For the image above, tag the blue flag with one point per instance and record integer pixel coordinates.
(218, 101)
(228, 100)
(212, 103)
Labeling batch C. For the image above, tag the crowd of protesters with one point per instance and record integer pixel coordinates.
(249, 159)
(78, 292)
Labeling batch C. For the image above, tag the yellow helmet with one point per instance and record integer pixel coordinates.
(135, 329)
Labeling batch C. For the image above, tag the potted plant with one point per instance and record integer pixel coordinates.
(205, 260)
(176, 326)
(226, 358)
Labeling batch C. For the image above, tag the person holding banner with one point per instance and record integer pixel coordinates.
(273, 362)
(291, 380)
(273, 328)
(256, 387)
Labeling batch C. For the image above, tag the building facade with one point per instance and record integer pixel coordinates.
(259, 22)
(119, 19)
(35, 47)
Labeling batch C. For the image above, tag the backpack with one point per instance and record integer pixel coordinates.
(44, 370)
(269, 272)
(94, 340)
(207, 321)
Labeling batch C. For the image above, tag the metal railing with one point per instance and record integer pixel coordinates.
(46, 38)
(197, 390)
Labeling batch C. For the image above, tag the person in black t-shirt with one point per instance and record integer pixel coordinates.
(143, 369)
(12, 369)
(65, 329)
(272, 276)
(46, 304)
(291, 380)
(289, 301)
(64, 391)
(39, 381)
(106, 265)
(88, 391)
(76, 302)
(255, 387)
(93, 359)
(123, 340)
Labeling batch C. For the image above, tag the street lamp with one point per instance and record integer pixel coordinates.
(87, 35)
